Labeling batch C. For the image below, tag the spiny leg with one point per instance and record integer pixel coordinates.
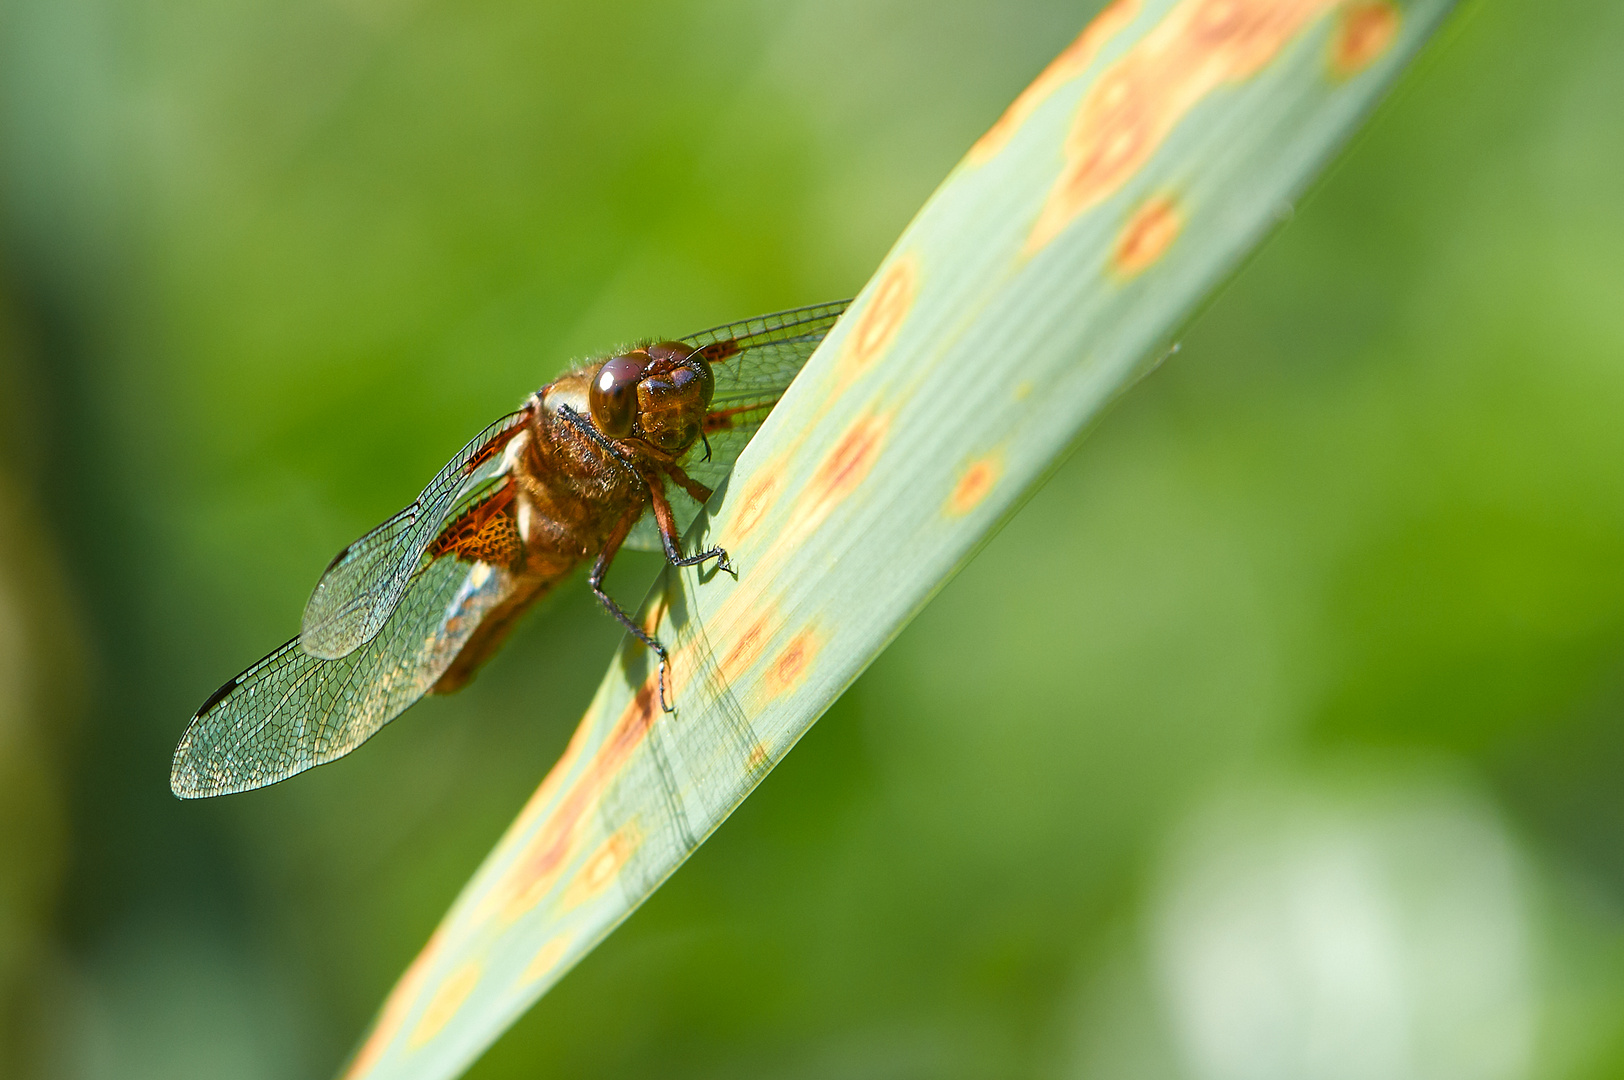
(590, 430)
(662, 506)
(667, 522)
(595, 579)
(699, 492)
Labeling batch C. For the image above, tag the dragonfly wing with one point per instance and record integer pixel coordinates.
(292, 710)
(758, 358)
(725, 449)
(365, 582)
(726, 446)
(754, 362)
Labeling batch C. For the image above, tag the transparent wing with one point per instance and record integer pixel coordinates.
(754, 362)
(293, 710)
(364, 582)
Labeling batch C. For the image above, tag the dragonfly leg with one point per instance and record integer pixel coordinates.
(668, 529)
(599, 570)
(587, 428)
(701, 494)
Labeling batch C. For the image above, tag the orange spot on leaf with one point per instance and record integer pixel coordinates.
(604, 865)
(536, 869)
(877, 325)
(748, 648)
(790, 666)
(973, 486)
(846, 467)
(546, 960)
(1121, 122)
(543, 795)
(1065, 67)
(1147, 236)
(758, 498)
(1364, 32)
(529, 871)
(445, 1003)
(757, 758)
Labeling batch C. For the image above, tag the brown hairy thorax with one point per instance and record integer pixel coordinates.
(568, 498)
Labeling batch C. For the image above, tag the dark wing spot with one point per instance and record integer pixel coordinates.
(718, 351)
(219, 695)
(339, 557)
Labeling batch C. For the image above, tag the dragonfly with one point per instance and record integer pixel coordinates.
(622, 451)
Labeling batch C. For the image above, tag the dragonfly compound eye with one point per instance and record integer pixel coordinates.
(614, 395)
(680, 365)
(670, 408)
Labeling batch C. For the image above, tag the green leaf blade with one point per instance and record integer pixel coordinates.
(1049, 270)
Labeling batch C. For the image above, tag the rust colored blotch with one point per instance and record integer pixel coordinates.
(1364, 32)
(1064, 68)
(445, 1003)
(846, 467)
(792, 664)
(604, 865)
(757, 758)
(527, 880)
(512, 884)
(545, 960)
(1138, 101)
(748, 648)
(758, 499)
(879, 322)
(851, 459)
(1147, 236)
(536, 870)
(973, 486)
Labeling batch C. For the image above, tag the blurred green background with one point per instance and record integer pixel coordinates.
(1279, 735)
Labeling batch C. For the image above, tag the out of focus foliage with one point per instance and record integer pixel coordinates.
(41, 697)
(1279, 735)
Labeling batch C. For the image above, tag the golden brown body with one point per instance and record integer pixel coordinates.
(572, 499)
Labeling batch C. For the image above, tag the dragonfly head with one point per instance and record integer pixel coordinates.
(659, 394)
